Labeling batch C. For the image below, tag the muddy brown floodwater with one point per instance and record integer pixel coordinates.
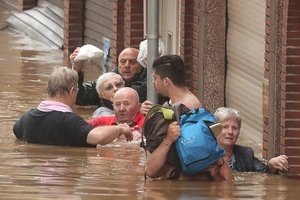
(114, 171)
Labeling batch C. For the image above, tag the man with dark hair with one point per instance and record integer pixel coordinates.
(168, 78)
(54, 123)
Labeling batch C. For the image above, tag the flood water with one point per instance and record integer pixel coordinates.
(114, 171)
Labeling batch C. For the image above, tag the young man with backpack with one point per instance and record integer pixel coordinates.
(169, 80)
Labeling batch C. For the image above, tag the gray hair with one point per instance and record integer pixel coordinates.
(61, 81)
(106, 76)
(223, 113)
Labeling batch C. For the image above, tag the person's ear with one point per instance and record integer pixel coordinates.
(139, 107)
(72, 90)
(166, 81)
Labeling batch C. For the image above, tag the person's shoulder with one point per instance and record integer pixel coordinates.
(192, 104)
(190, 100)
(103, 111)
(195, 101)
(63, 117)
(242, 149)
(107, 117)
(104, 120)
(139, 119)
(30, 112)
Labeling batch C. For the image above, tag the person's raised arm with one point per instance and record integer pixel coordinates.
(106, 134)
(87, 94)
(156, 161)
(76, 65)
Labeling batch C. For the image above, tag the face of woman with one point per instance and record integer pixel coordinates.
(230, 133)
(110, 87)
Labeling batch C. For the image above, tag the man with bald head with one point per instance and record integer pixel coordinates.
(133, 73)
(127, 111)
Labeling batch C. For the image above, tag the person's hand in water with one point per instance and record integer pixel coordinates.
(137, 132)
(279, 163)
(126, 131)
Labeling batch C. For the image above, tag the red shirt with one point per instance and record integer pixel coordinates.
(112, 120)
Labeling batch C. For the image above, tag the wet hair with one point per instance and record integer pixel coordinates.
(61, 81)
(104, 77)
(223, 113)
(172, 67)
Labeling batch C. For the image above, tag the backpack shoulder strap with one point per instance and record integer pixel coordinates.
(167, 112)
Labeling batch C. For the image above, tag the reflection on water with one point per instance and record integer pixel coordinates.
(108, 172)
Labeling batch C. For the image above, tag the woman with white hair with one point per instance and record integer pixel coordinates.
(106, 86)
(241, 158)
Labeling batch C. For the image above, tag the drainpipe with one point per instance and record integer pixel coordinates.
(145, 17)
(152, 36)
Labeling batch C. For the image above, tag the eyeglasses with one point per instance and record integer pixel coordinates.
(110, 86)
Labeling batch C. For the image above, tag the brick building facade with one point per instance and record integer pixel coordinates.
(202, 44)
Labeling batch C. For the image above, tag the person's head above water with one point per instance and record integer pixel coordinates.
(126, 104)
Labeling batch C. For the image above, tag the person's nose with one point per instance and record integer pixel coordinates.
(127, 64)
(115, 88)
(122, 107)
(230, 130)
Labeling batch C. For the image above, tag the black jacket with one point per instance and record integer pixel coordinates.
(87, 94)
(246, 161)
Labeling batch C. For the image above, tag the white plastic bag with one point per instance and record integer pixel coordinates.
(142, 57)
(89, 52)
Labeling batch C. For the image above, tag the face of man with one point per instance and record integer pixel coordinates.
(128, 64)
(229, 134)
(159, 84)
(109, 88)
(126, 105)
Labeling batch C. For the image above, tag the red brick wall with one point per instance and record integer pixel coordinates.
(288, 59)
(26, 4)
(118, 29)
(189, 41)
(266, 75)
(290, 93)
(133, 23)
(127, 26)
(73, 24)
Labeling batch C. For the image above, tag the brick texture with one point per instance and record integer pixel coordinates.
(118, 28)
(189, 41)
(73, 24)
(127, 26)
(133, 23)
(290, 81)
(289, 58)
(26, 4)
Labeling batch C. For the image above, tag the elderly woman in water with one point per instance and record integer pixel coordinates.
(241, 158)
